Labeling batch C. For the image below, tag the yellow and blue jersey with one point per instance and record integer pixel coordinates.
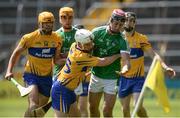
(75, 68)
(40, 52)
(138, 43)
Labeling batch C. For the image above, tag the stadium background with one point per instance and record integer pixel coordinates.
(160, 20)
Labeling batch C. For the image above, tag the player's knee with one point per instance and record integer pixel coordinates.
(31, 110)
(141, 112)
(107, 111)
(126, 109)
(83, 109)
(93, 108)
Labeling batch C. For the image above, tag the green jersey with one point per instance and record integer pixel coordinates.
(68, 39)
(107, 44)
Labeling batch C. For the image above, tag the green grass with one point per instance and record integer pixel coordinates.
(12, 105)
(15, 107)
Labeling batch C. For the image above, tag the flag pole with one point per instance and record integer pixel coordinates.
(143, 89)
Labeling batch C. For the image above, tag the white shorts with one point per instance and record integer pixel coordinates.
(79, 89)
(102, 85)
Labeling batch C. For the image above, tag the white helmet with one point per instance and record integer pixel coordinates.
(83, 36)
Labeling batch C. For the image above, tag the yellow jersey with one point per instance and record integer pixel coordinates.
(75, 68)
(138, 43)
(40, 52)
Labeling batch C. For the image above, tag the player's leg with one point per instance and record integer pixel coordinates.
(136, 92)
(83, 105)
(62, 99)
(109, 101)
(83, 100)
(33, 99)
(109, 97)
(125, 94)
(141, 112)
(95, 94)
(58, 114)
(43, 100)
(74, 111)
(44, 87)
(125, 103)
(94, 101)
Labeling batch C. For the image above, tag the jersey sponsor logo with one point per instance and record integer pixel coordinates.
(42, 52)
(45, 50)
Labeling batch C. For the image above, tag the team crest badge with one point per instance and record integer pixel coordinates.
(45, 43)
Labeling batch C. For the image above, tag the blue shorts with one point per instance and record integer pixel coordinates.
(44, 83)
(85, 86)
(130, 85)
(62, 97)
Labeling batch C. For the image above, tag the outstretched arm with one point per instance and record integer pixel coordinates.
(168, 70)
(107, 60)
(13, 60)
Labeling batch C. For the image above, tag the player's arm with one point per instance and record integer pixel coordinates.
(58, 58)
(107, 60)
(63, 57)
(125, 59)
(152, 54)
(13, 60)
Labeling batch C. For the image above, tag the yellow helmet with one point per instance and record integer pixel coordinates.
(66, 11)
(46, 17)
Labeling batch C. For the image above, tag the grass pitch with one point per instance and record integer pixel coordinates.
(15, 107)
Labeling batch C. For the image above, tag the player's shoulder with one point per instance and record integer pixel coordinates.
(99, 29)
(55, 34)
(140, 35)
(59, 30)
(31, 34)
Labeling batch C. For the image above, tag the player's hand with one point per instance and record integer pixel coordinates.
(63, 55)
(123, 70)
(8, 76)
(170, 72)
(88, 74)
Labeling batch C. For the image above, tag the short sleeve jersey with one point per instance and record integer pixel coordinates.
(138, 43)
(75, 68)
(40, 52)
(107, 44)
(68, 39)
